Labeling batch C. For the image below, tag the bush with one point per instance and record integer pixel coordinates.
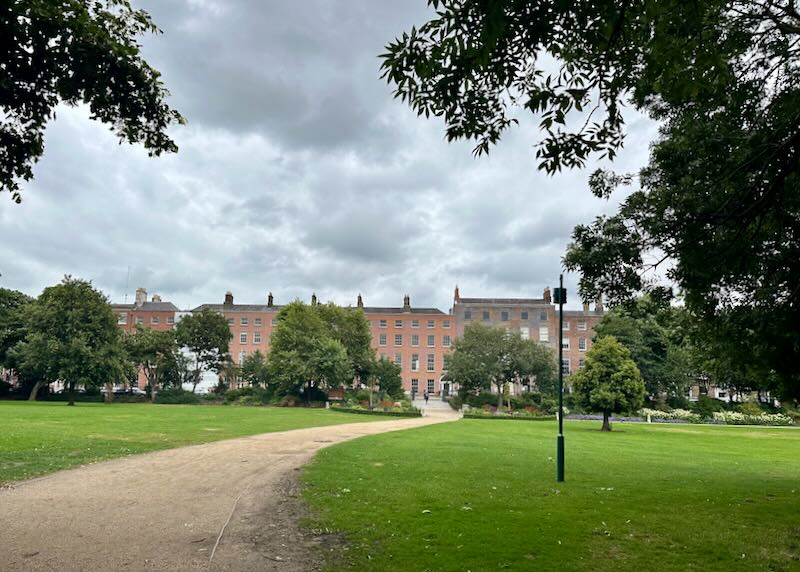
(749, 408)
(456, 402)
(678, 402)
(176, 397)
(396, 412)
(705, 407)
(678, 414)
(5, 389)
(737, 418)
(481, 399)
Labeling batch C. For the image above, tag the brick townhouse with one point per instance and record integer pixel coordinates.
(419, 340)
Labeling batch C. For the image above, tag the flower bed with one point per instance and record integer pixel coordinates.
(396, 412)
(521, 414)
(736, 418)
(674, 415)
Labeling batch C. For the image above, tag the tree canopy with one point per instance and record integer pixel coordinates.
(206, 335)
(75, 51)
(484, 357)
(12, 327)
(609, 382)
(153, 351)
(717, 205)
(71, 335)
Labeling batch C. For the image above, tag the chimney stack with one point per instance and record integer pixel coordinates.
(314, 299)
(228, 298)
(407, 303)
(457, 295)
(156, 298)
(547, 298)
(141, 296)
(586, 307)
(360, 302)
(598, 305)
(269, 300)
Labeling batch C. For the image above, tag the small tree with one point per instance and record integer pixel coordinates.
(254, 370)
(387, 375)
(151, 351)
(206, 335)
(610, 381)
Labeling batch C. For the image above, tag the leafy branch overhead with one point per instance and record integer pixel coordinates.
(73, 52)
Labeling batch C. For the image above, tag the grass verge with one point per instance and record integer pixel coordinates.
(475, 496)
(38, 438)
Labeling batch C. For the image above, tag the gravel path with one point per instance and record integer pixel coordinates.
(229, 505)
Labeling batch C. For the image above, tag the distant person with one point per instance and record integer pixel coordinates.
(425, 395)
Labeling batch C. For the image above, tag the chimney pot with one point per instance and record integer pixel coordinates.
(457, 295)
(314, 299)
(406, 302)
(548, 299)
(141, 296)
(228, 298)
(360, 302)
(269, 300)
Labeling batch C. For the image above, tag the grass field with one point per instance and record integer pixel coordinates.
(481, 495)
(39, 438)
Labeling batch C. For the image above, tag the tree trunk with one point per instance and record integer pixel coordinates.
(109, 397)
(606, 422)
(35, 391)
(71, 395)
(499, 396)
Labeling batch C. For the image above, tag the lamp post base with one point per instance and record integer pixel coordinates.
(560, 458)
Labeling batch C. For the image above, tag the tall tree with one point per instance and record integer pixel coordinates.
(12, 325)
(387, 374)
(351, 327)
(151, 351)
(255, 370)
(609, 382)
(72, 336)
(206, 335)
(75, 51)
(486, 356)
(653, 334)
(719, 201)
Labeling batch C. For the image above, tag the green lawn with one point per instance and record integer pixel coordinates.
(38, 438)
(644, 497)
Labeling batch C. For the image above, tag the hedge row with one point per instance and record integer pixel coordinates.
(514, 417)
(378, 412)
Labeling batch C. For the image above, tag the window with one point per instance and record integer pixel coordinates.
(398, 339)
(155, 320)
(414, 362)
(230, 321)
(431, 323)
(485, 315)
(122, 318)
(565, 366)
(467, 314)
(565, 343)
(398, 359)
(525, 332)
(504, 316)
(398, 323)
(383, 323)
(446, 364)
(446, 323)
(415, 323)
(243, 338)
(431, 341)
(582, 326)
(258, 321)
(524, 315)
(170, 319)
(565, 326)
(242, 355)
(243, 321)
(446, 341)
(543, 316)
(382, 339)
(544, 334)
(414, 340)
(257, 337)
(414, 386)
(582, 344)
(139, 320)
(274, 321)
(430, 386)
(431, 362)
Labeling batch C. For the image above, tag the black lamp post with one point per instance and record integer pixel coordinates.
(560, 297)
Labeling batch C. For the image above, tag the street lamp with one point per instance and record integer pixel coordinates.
(560, 297)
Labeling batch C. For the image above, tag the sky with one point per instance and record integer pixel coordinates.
(298, 172)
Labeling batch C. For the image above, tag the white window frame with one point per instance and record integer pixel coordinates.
(432, 341)
(582, 327)
(414, 362)
(383, 323)
(582, 344)
(430, 362)
(446, 341)
(242, 337)
(258, 321)
(431, 387)
(565, 344)
(415, 323)
(544, 333)
(382, 340)
(256, 337)
(431, 324)
(398, 340)
(243, 321)
(525, 332)
(122, 319)
(155, 319)
(445, 323)
(414, 340)
(398, 323)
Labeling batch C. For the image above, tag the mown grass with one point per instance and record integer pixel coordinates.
(644, 497)
(39, 438)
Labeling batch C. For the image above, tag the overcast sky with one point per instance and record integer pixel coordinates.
(297, 173)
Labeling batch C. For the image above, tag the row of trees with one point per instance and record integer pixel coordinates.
(69, 333)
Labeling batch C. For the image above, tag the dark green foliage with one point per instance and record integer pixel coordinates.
(609, 382)
(254, 370)
(71, 335)
(706, 406)
(381, 412)
(175, 396)
(152, 351)
(719, 201)
(75, 51)
(206, 335)
(12, 326)
(387, 374)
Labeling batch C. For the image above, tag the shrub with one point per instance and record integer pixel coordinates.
(456, 402)
(705, 406)
(289, 401)
(678, 402)
(176, 397)
(5, 389)
(680, 414)
(481, 399)
(749, 408)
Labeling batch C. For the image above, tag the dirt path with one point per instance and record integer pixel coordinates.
(172, 509)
